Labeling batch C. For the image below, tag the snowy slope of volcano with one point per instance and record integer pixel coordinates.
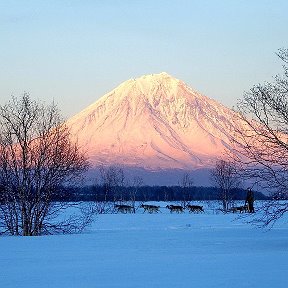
(153, 122)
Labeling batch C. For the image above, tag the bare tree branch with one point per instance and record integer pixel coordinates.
(261, 147)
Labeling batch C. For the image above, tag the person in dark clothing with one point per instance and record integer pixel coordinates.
(250, 201)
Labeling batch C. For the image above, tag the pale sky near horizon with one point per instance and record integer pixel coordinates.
(73, 52)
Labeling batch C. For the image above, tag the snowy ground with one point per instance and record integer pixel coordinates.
(151, 250)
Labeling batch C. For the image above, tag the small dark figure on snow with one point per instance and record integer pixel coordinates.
(250, 201)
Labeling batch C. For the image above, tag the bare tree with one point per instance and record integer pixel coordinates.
(186, 184)
(37, 157)
(224, 175)
(112, 181)
(134, 189)
(262, 146)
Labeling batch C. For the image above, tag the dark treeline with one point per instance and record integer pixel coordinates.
(148, 193)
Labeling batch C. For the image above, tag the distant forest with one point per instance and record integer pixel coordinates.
(148, 193)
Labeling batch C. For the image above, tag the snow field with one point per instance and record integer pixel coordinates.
(151, 250)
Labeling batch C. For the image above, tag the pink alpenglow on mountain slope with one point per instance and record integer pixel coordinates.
(154, 122)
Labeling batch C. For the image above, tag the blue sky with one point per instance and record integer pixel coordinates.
(76, 51)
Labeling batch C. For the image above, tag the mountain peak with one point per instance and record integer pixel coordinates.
(161, 75)
(149, 80)
(155, 76)
(155, 122)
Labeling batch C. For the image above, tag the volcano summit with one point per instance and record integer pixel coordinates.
(154, 122)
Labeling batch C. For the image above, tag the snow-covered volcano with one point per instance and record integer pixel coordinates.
(154, 122)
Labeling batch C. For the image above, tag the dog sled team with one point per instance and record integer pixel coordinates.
(121, 208)
(248, 207)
